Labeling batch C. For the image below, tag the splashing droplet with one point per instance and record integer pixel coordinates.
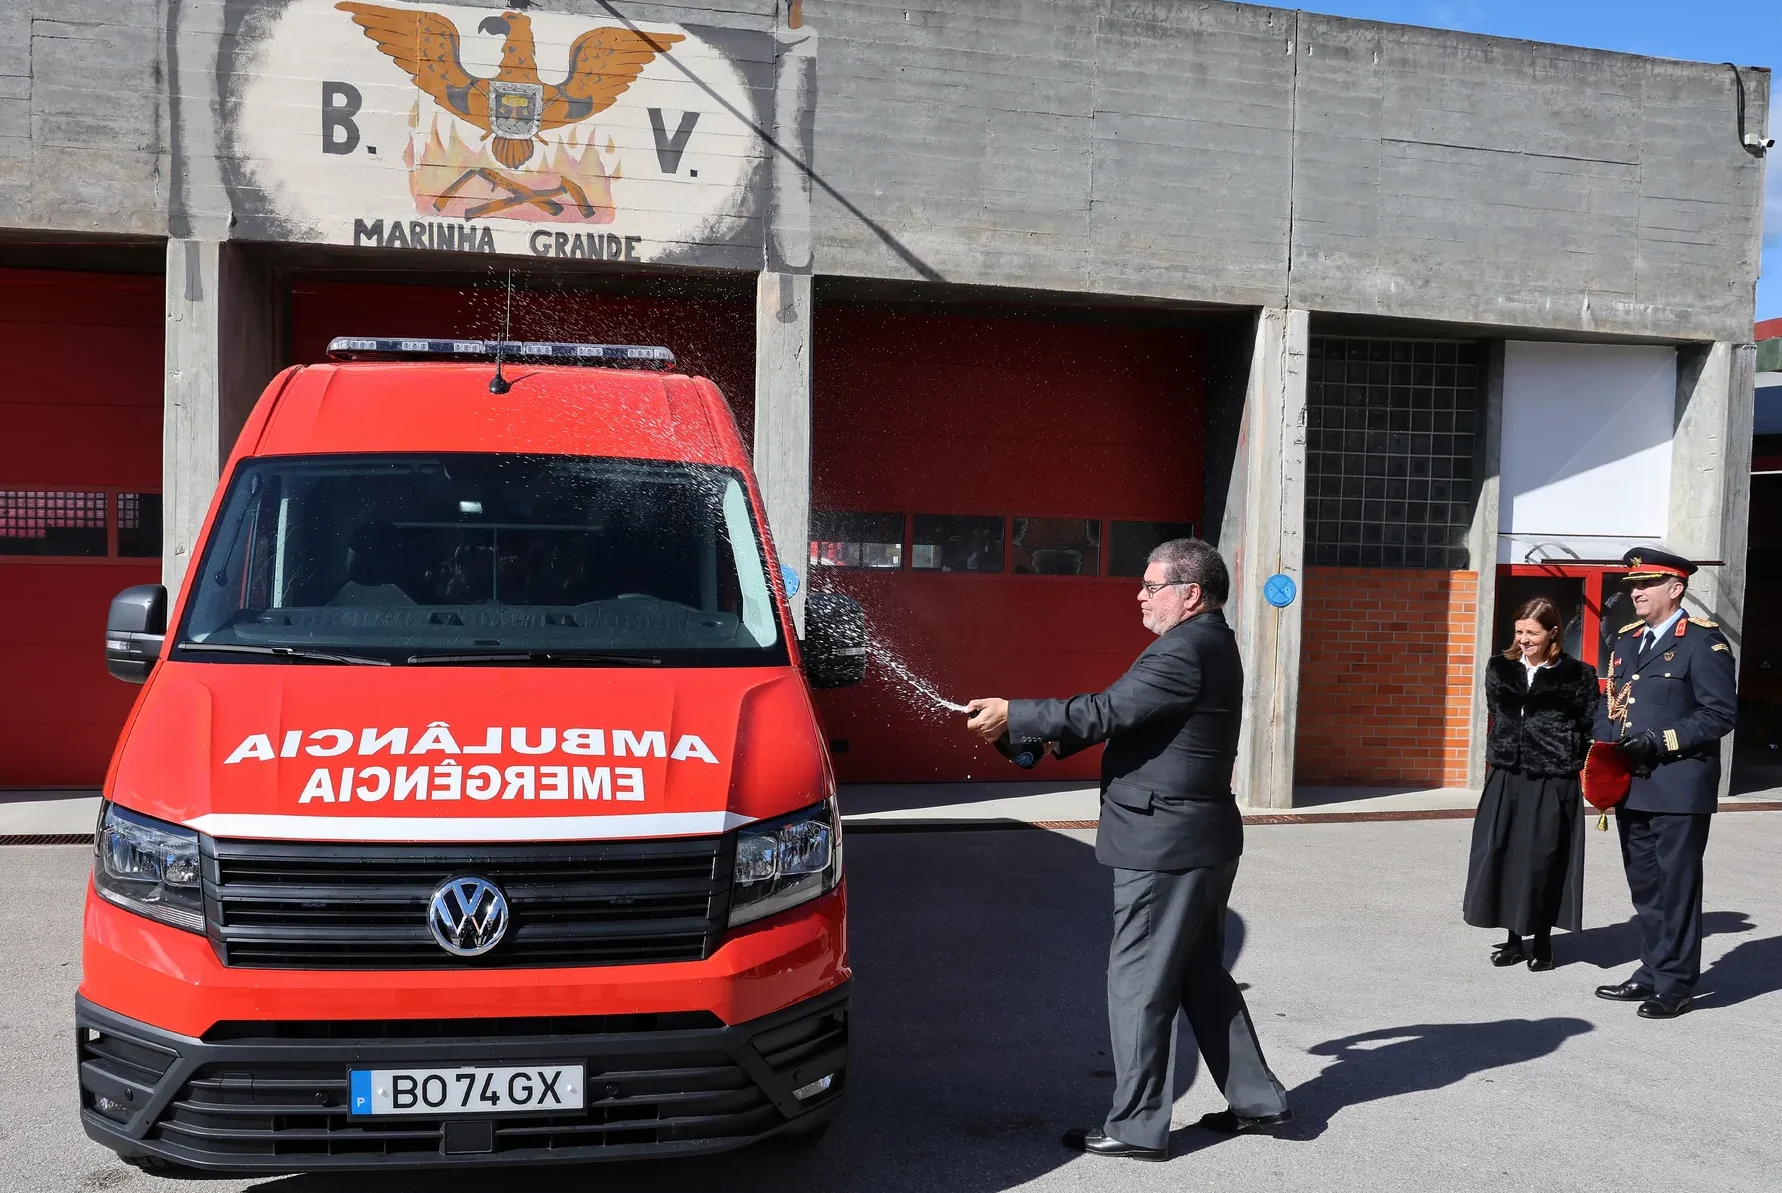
(898, 668)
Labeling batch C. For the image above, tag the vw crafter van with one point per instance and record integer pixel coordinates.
(474, 809)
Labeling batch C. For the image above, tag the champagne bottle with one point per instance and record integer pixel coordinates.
(1026, 757)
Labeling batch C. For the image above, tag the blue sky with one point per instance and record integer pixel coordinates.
(1748, 32)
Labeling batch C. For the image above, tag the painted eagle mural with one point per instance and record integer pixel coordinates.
(515, 105)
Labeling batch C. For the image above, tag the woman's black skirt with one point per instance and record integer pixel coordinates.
(1526, 872)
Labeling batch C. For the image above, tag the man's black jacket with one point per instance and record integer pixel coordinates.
(1171, 728)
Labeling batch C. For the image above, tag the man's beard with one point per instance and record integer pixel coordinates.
(1155, 621)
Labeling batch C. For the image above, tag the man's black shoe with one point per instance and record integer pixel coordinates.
(1094, 1143)
(1230, 1122)
(1625, 992)
(1665, 1006)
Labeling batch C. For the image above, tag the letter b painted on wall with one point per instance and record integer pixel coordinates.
(340, 103)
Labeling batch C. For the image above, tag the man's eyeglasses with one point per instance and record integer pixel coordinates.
(1152, 589)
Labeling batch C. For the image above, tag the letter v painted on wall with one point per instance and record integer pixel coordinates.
(478, 121)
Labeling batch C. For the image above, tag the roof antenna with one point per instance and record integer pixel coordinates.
(499, 384)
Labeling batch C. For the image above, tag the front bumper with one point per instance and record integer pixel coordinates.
(262, 1098)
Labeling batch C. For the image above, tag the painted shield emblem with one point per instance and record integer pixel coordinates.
(515, 109)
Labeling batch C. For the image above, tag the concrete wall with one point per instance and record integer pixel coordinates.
(1278, 158)
(1121, 148)
(1507, 182)
(1186, 151)
(84, 138)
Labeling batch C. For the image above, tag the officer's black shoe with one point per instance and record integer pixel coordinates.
(1094, 1143)
(1665, 1006)
(1230, 1122)
(1625, 992)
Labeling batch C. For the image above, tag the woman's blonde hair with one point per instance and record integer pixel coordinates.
(1538, 609)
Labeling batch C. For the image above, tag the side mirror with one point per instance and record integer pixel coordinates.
(834, 640)
(134, 631)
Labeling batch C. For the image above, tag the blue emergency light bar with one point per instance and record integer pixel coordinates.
(519, 351)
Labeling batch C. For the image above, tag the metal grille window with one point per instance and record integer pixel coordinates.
(856, 540)
(1057, 547)
(1390, 428)
(52, 522)
(956, 543)
(1130, 543)
(139, 524)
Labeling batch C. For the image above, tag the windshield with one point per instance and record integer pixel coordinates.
(398, 558)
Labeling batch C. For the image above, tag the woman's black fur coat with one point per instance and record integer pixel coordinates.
(1543, 730)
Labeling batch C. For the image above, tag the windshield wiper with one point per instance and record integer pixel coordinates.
(539, 656)
(284, 652)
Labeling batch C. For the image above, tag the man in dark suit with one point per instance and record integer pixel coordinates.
(1170, 828)
(1671, 697)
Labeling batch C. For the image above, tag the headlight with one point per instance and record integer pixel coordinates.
(782, 863)
(150, 867)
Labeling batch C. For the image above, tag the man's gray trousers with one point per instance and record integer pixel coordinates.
(1168, 954)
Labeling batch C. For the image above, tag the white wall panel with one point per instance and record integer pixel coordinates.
(1586, 467)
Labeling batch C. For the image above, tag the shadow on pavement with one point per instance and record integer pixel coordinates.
(1748, 971)
(1614, 945)
(979, 1032)
(1390, 1061)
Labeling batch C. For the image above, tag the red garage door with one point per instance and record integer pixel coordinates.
(988, 488)
(711, 338)
(80, 509)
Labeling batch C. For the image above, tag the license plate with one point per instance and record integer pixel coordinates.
(468, 1090)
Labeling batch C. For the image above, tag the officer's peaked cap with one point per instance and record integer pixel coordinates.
(1656, 563)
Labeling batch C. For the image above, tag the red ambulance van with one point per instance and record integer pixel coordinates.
(475, 809)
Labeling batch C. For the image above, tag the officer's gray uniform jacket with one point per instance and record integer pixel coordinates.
(1685, 687)
(1171, 728)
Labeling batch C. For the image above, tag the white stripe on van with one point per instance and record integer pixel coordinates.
(465, 828)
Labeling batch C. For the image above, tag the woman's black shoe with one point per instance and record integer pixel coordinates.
(1506, 954)
(1540, 964)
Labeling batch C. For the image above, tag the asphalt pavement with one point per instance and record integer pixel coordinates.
(980, 1032)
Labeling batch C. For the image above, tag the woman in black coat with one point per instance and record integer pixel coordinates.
(1526, 872)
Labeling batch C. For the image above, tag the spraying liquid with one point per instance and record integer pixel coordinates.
(1026, 757)
(896, 666)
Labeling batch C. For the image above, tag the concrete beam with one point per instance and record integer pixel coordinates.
(224, 343)
(1481, 544)
(1711, 486)
(783, 415)
(1263, 533)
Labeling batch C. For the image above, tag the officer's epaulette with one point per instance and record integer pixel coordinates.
(1632, 625)
(1704, 623)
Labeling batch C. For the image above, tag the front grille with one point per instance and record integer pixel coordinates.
(299, 1109)
(273, 1097)
(291, 905)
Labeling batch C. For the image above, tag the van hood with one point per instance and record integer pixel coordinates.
(484, 753)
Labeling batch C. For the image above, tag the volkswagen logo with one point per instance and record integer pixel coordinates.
(468, 916)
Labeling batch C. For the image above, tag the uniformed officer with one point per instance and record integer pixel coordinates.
(1670, 698)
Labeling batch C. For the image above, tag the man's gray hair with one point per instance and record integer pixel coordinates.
(1193, 561)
